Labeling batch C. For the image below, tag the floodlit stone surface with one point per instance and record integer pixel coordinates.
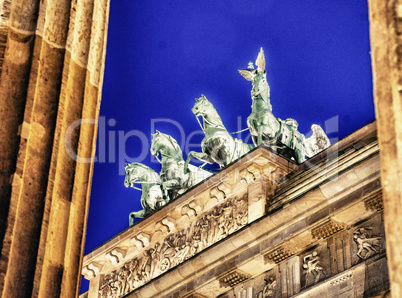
(316, 231)
(45, 86)
(386, 43)
(31, 57)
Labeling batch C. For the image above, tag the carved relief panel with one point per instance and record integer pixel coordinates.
(177, 247)
(367, 239)
(315, 265)
(327, 268)
(267, 285)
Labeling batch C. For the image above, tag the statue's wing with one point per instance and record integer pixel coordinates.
(247, 74)
(260, 62)
(317, 142)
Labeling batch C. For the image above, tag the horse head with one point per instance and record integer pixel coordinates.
(258, 77)
(156, 145)
(138, 172)
(132, 174)
(166, 145)
(202, 106)
(153, 195)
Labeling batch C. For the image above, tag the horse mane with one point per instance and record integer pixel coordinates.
(138, 164)
(174, 143)
(146, 168)
(214, 109)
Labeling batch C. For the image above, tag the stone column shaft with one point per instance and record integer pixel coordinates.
(386, 49)
(47, 203)
(13, 92)
(13, 89)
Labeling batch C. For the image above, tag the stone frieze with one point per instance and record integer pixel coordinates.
(211, 227)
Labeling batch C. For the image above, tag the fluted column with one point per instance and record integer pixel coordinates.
(16, 73)
(49, 195)
(386, 50)
(20, 30)
(74, 148)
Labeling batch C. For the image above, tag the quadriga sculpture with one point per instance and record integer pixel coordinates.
(153, 195)
(174, 179)
(281, 135)
(218, 145)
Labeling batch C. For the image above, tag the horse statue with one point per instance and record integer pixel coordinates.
(174, 179)
(153, 195)
(280, 135)
(218, 145)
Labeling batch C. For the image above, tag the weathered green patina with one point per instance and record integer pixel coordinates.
(280, 135)
(174, 178)
(218, 145)
(153, 195)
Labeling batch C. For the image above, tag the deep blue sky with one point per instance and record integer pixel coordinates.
(163, 54)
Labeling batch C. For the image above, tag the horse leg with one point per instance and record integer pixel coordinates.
(172, 183)
(203, 157)
(189, 157)
(299, 156)
(270, 126)
(199, 155)
(220, 154)
(259, 138)
(135, 214)
(172, 186)
(181, 186)
(252, 125)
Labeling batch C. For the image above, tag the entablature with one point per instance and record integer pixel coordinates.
(261, 212)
